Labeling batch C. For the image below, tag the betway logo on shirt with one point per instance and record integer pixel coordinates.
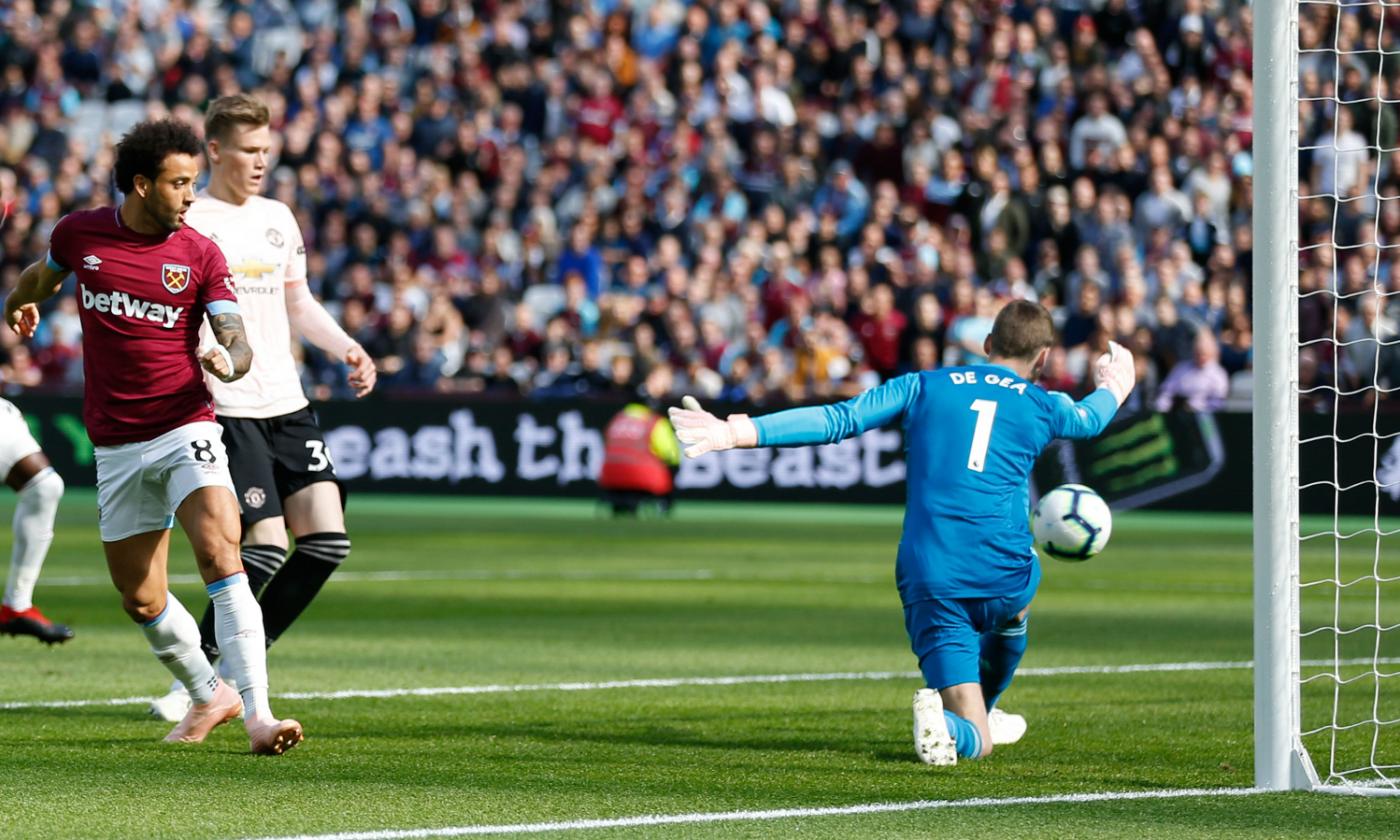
(123, 304)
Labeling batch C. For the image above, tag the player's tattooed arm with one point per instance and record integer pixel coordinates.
(231, 357)
(37, 283)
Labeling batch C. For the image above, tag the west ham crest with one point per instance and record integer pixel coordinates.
(175, 277)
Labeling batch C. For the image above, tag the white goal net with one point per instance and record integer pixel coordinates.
(1334, 426)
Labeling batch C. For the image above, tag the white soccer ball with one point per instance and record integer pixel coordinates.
(1071, 522)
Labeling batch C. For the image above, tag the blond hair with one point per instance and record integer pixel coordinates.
(228, 111)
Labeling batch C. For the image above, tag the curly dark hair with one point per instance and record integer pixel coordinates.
(145, 147)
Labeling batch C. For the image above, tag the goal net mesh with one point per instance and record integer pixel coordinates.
(1347, 133)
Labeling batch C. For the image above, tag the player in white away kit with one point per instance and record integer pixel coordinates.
(26, 470)
(145, 284)
(281, 468)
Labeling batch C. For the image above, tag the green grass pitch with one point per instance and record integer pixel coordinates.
(534, 594)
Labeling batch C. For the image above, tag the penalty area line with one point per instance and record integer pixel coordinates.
(682, 682)
(772, 814)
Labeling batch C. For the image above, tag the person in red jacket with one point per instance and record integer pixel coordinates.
(640, 456)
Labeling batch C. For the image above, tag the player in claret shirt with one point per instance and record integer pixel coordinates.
(145, 283)
(281, 467)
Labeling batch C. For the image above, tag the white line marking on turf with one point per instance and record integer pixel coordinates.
(773, 814)
(462, 574)
(680, 682)
(643, 575)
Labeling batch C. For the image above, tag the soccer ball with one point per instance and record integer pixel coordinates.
(1071, 522)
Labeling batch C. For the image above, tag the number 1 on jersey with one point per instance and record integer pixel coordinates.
(981, 434)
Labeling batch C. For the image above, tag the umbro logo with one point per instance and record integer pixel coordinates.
(91, 262)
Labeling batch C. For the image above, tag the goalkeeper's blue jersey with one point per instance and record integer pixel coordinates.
(971, 435)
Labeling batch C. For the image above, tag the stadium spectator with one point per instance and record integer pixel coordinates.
(1198, 383)
(715, 158)
(1096, 135)
(1370, 343)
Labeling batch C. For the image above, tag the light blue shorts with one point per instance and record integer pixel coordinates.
(946, 633)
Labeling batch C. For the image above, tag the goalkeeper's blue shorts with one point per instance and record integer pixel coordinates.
(946, 633)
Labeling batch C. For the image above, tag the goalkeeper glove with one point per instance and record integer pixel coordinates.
(703, 432)
(1115, 371)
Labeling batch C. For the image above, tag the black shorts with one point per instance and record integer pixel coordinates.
(270, 459)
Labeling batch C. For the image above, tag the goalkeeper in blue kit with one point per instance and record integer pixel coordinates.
(966, 568)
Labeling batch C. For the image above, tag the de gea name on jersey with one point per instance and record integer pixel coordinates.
(970, 378)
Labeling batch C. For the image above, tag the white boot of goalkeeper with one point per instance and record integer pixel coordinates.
(933, 743)
(1006, 728)
(173, 705)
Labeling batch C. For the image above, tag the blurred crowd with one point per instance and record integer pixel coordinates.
(750, 200)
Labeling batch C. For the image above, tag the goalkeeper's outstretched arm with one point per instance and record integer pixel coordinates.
(703, 432)
(1115, 374)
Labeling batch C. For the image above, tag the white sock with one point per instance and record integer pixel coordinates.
(238, 626)
(220, 666)
(33, 534)
(174, 638)
(226, 670)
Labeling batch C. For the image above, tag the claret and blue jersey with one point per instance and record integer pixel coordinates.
(141, 299)
(972, 435)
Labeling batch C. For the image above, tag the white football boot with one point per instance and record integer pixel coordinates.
(172, 706)
(1006, 728)
(933, 742)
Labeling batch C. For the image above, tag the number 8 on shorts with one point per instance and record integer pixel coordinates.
(139, 485)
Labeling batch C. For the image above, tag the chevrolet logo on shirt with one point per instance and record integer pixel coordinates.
(252, 269)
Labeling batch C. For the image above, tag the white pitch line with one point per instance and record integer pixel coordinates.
(466, 574)
(681, 682)
(773, 814)
(682, 575)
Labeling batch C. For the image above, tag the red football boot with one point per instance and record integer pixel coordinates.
(31, 622)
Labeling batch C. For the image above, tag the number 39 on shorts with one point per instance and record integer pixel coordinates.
(320, 456)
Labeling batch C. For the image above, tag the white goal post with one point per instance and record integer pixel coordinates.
(1278, 753)
(1326, 588)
